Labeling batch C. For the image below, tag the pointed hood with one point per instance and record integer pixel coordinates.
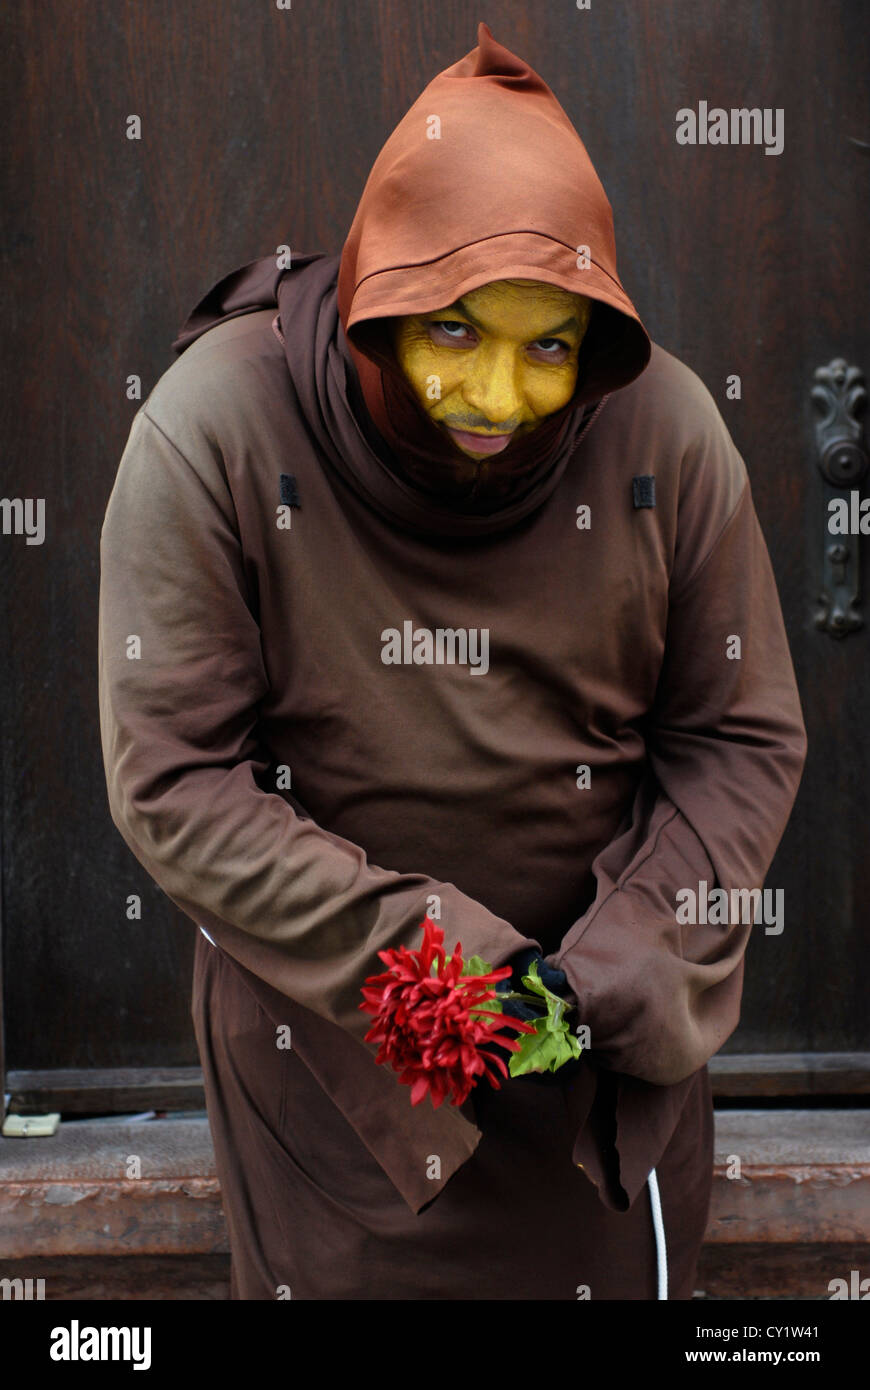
(484, 179)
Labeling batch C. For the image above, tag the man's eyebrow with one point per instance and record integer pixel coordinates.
(572, 322)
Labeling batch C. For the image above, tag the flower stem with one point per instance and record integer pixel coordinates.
(538, 999)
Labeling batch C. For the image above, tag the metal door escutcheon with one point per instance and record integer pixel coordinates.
(839, 398)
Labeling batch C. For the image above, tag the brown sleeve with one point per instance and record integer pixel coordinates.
(298, 906)
(726, 748)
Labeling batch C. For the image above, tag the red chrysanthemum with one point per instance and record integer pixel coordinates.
(433, 1026)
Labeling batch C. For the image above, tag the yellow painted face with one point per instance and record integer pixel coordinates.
(494, 365)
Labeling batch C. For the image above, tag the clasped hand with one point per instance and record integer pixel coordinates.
(530, 1007)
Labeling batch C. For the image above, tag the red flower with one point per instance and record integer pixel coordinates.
(431, 1026)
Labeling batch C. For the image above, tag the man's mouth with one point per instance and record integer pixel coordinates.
(480, 443)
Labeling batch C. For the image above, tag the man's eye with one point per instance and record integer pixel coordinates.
(450, 324)
(553, 351)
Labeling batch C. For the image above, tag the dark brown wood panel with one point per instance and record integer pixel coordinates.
(734, 1076)
(259, 127)
(95, 1091)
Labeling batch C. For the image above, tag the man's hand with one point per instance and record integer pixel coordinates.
(533, 1006)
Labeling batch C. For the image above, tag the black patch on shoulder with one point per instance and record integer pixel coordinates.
(289, 492)
(643, 490)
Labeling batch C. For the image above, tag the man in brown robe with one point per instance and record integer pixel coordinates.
(291, 527)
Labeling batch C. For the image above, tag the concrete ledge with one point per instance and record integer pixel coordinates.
(799, 1177)
(70, 1193)
(791, 1177)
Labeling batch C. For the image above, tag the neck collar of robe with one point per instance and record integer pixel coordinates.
(323, 377)
(329, 389)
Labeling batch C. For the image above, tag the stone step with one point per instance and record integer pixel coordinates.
(790, 1205)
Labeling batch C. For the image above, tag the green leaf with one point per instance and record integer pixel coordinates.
(489, 1006)
(475, 966)
(533, 982)
(552, 1043)
(546, 1049)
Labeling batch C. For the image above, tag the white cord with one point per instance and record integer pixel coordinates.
(659, 1228)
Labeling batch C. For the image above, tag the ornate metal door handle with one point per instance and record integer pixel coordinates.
(839, 398)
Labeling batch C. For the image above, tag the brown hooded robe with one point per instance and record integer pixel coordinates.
(280, 505)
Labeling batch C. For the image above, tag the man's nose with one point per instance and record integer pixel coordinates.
(491, 386)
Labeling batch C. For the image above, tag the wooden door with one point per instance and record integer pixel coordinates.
(257, 127)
